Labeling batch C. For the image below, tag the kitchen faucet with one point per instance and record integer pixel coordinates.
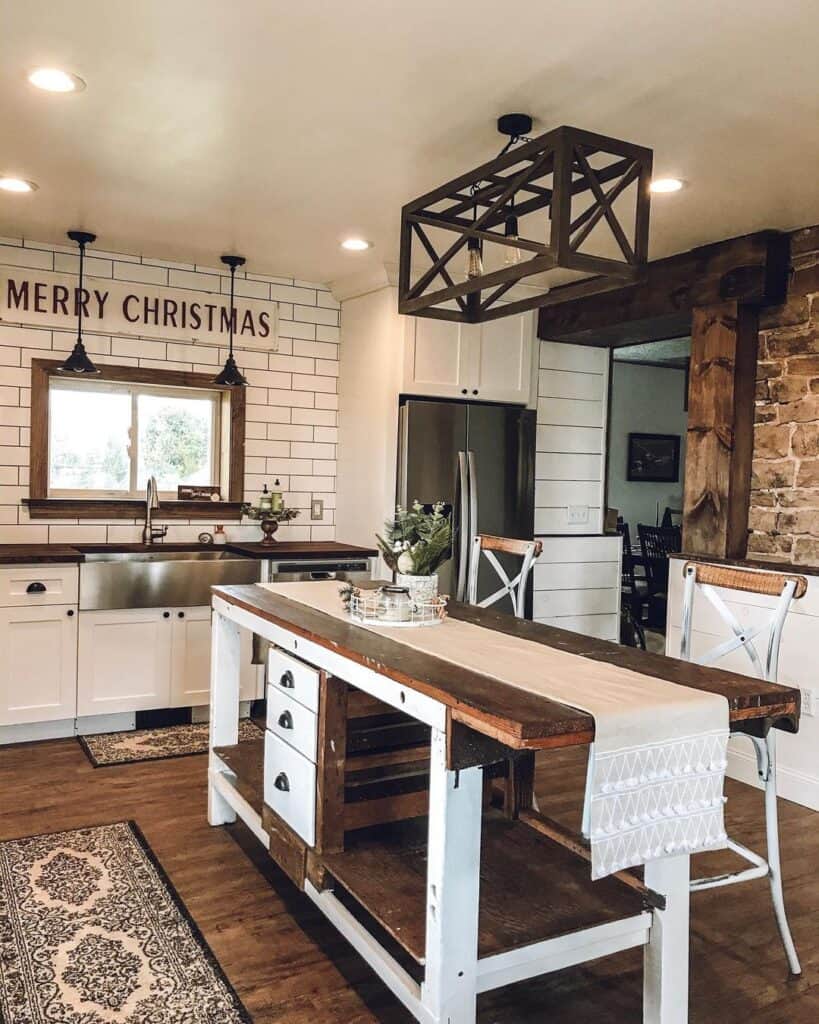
(150, 533)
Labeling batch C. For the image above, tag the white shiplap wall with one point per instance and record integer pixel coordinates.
(292, 398)
(577, 577)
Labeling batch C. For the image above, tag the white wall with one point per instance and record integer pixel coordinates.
(371, 365)
(577, 577)
(292, 401)
(644, 400)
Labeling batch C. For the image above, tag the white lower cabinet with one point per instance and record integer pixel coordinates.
(141, 659)
(190, 660)
(124, 661)
(38, 664)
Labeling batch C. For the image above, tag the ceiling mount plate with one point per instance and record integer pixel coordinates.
(234, 261)
(514, 125)
(82, 237)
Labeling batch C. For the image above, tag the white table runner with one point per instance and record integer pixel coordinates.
(657, 765)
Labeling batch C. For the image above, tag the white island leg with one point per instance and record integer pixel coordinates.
(665, 960)
(224, 706)
(449, 991)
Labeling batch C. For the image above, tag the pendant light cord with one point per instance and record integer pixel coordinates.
(80, 293)
(232, 313)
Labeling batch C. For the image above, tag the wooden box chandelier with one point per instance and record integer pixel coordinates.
(576, 177)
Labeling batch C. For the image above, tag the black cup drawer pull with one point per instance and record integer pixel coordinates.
(36, 588)
(286, 720)
(287, 680)
(282, 782)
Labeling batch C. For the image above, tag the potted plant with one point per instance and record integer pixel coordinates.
(415, 544)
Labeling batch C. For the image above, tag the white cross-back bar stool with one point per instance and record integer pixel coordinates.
(705, 579)
(514, 589)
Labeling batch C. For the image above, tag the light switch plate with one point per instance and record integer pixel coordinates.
(578, 514)
(317, 508)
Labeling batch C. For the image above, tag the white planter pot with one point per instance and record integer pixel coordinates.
(422, 589)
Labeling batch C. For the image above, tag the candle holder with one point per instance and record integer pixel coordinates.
(269, 520)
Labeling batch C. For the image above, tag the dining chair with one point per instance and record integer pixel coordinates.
(712, 581)
(517, 773)
(633, 595)
(515, 589)
(657, 543)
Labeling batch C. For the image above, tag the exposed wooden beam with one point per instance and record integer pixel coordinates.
(751, 269)
(720, 429)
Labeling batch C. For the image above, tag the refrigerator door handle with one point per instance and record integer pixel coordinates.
(464, 527)
(473, 499)
(403, 454)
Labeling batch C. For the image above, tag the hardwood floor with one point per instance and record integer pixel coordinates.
(289, 965)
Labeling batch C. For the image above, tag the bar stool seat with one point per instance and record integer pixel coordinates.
(705, 578)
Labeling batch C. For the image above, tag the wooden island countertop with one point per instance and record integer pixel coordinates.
(489, 706)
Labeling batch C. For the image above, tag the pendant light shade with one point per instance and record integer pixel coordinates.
(231, 376)
(78, 361)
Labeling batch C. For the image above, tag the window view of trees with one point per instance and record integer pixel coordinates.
(107, 440)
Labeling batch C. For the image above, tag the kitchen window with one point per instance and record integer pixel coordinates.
(96, 442)
(107, 439)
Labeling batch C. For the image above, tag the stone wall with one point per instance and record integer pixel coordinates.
(784, 513)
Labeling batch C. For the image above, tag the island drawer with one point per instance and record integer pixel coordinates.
(38, 584)
(290, 787)
(292, 722)
(293, 677)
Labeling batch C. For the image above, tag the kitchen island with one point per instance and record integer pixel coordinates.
(443, 894)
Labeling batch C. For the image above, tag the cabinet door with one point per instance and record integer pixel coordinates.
(505, 360)
(190, 660)
(38, 664)
(124, 661)
(440, 358)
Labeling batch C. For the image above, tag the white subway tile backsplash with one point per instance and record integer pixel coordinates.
(34, 259)
(290, 413)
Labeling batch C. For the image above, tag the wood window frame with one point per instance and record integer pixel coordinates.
(41, 506)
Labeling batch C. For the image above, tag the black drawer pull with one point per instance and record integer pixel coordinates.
(282, 783)
(286, 720)
(287, 681)
(36, 588)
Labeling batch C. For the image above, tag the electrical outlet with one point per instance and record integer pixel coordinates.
(578, 514)
(808, 702)
(317, 508)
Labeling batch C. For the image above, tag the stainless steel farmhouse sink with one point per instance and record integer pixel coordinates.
(157, 578)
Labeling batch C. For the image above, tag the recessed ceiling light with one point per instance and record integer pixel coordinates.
(17, 185)
(356, 244)
(55, 80)
(667, 185)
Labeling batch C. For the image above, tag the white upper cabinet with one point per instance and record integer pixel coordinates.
(439, 357)
(505, 359)
(488, 362)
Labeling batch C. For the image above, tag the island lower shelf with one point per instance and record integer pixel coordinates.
(532, 889)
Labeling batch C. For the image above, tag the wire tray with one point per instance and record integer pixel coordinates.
(370, 608)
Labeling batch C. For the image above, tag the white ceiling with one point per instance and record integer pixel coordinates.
(275, 129)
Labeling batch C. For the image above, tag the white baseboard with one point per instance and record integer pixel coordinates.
(123, 721)
(791, 785)
(28, 732)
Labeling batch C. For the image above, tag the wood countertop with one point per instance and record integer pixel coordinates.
(488, 705)
(16, 554)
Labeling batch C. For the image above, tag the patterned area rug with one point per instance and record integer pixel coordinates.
(93, 932)
(106, 749)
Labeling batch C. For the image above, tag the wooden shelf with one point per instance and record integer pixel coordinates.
(246, 761)
(531, 888)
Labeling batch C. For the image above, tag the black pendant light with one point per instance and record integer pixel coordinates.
(78, 361)
(231, 375)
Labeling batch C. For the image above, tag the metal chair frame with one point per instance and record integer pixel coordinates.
(515, 588)
(764, 747)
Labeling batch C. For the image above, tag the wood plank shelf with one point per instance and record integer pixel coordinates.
(531, 888)
(246, 761)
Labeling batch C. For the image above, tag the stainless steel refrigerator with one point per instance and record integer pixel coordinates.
(479, 459)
